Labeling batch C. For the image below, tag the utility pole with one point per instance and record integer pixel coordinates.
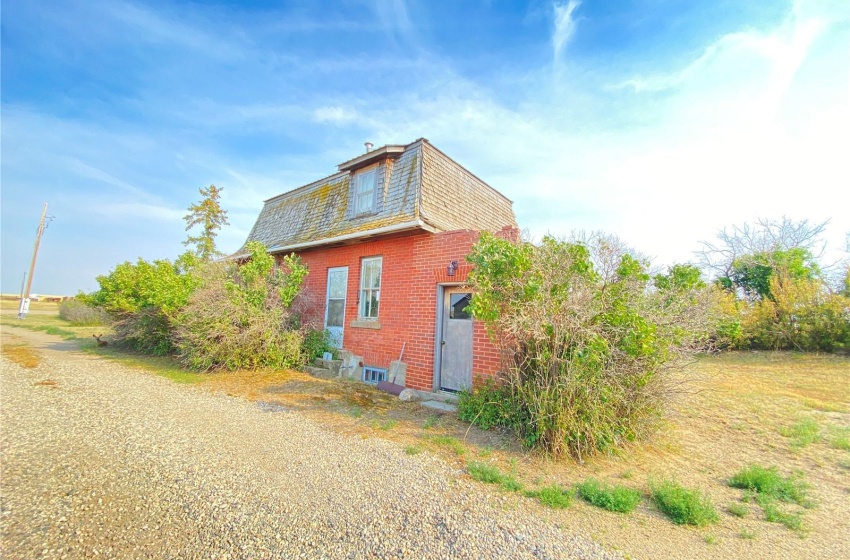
(25, 296)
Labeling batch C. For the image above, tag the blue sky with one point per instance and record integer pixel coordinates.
(661, 121)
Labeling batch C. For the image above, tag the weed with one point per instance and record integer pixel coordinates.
(355, 411)
(681, 505)
(802, 433)
(613, 498)
(767, 481)
(628, 474)
(840, 439)
(388, 424)
(58, 331)
(709, 539)
(738, 510)
(492, 475)
(413, 450)
(485, 452)
(553, 496)
(773, 514)
(748, 535)
(451, 442)
(430, 422)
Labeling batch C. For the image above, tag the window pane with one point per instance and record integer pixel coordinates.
(337, 282)
(457, 306)
(364, 182)
(364, 202)
(373, 311)
(336, 312)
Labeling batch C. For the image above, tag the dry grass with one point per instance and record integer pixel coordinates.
(17, 350)
(21, 354)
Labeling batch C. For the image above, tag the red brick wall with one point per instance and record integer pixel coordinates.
(412, 267)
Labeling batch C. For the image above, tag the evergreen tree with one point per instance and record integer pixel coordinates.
(210, 216)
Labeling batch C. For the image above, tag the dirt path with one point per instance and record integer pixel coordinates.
(101, 460)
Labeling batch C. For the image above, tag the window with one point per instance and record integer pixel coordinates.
(374, 375)
(370, 287)
(458, 306)
(365, 184)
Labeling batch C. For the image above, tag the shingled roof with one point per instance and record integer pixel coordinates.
(419, 188)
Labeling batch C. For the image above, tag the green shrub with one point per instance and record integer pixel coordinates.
(148, 331)
(77, 312)
(487, 406)
(589, 340)
(619, 499)
(316, 343)
(145, 299)
(241, 318)
(681, 505)
(553, 496)
(767, 481)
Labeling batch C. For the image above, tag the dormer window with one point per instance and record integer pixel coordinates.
(365, 187)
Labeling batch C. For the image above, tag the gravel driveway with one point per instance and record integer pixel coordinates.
(102, 460)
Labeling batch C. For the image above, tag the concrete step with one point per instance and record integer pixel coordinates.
(440, 405)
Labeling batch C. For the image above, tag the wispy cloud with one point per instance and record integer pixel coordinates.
(395, 17)
(565, 25)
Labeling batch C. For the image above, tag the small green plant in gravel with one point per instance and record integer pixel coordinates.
(766, 481)
(738, 510)
(767, 487)
(492, 475)
(619, 499)
(802, 433)
(355, 411)
(772, 514)
(451, 442)
(387, 425)
(430, 422)
(747, 535)
(840, 439)
(682, 505)
(553, 496)
(413, 450)
(709, 539)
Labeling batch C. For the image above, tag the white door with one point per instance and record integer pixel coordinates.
(456, 343)
(335, 303)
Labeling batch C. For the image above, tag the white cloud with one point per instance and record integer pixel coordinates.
(565, 25)
(335, 114)
(120, 211)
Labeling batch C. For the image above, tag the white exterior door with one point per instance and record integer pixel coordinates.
(456, 343)
(335, 303)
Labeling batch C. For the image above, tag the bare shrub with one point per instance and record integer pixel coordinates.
(80, 313)
(242, 317)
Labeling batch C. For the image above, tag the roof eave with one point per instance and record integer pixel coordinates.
(397, 228)
(372, 156)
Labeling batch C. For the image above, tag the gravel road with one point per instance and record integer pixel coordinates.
(99, 460)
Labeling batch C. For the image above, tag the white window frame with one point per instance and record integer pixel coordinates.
(365, 189)
(364, 307)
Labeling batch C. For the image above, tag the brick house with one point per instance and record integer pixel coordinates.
(384, 239)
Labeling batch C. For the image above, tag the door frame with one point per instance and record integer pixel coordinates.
(327, 298)
(438, 335)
